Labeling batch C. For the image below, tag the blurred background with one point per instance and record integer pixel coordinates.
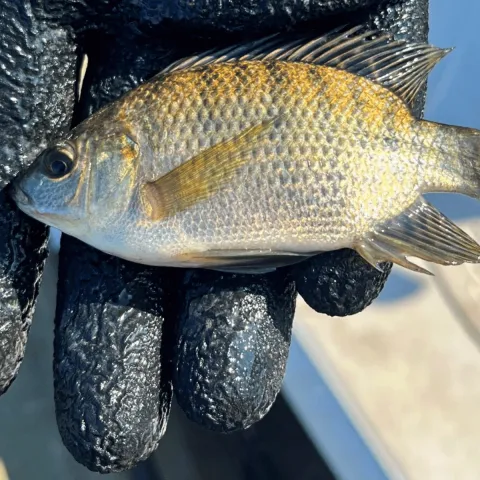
(390, 393)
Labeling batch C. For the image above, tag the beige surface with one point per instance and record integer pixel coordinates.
(408, 372)
(3, 471)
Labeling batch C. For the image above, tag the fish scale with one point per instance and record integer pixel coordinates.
(259, 156)
(267, 87)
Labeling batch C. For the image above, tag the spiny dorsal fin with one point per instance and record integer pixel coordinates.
(202, 176)
(398, 65)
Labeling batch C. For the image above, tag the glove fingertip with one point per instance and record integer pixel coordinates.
(339, 283)
(232, 347)
(112, 386)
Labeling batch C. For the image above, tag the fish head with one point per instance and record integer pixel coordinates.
(49, 189)
(80, 185)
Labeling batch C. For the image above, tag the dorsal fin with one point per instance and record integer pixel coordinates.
(398, 65)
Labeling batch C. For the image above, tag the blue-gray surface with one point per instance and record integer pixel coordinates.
(326, 423)
(454, 98)
(453, 93)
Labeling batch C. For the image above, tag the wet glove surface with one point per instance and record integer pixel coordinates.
(126, 335)
(37, 77)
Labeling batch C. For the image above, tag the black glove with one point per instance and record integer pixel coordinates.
(127, 336)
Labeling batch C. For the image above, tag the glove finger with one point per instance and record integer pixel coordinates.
(36, 98)
(232, 346)
(209, 17)
(112, 379)
(22, 254)
(340, 282)
(112, 395)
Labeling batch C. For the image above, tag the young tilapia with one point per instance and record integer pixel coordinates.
(262, 155)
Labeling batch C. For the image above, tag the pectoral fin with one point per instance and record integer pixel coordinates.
(422, 232)
(202, 176)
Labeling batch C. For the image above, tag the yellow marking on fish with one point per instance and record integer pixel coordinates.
(85, 166)
(129, 151)
(103, 157)
(189, 256)
(350, 96)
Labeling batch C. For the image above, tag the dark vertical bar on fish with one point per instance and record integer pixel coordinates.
(342, 283)
(36, 95)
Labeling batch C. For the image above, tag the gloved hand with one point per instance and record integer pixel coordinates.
(128, 336)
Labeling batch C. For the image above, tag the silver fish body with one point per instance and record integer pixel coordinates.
(249, 164)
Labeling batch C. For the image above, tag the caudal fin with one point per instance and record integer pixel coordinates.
(469, 160)
(457, 158)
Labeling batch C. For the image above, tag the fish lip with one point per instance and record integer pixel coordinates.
(20, 196)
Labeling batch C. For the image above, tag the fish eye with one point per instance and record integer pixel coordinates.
(57, 163)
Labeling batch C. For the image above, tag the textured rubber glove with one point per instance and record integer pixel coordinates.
(128, 336)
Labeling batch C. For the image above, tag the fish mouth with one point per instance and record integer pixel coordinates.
(21, 198)
(26, 205)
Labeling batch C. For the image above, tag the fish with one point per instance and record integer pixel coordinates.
(261, 155)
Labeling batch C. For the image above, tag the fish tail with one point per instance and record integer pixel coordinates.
(457, 161)
(469, 160)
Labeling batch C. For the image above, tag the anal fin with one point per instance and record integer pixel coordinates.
(375, 252)
(422, 232)
(251, 270)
